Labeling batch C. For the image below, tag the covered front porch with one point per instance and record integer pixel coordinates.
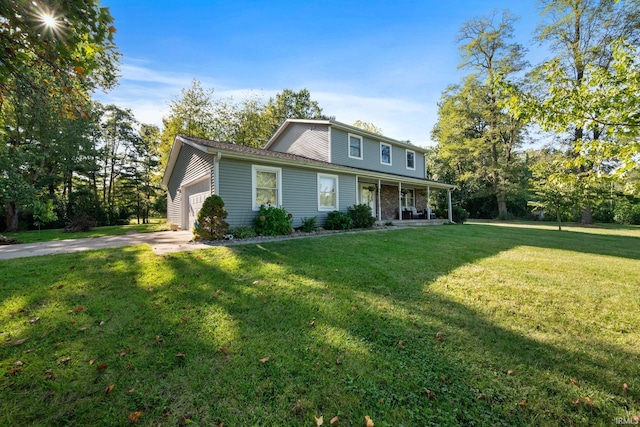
(404, 199)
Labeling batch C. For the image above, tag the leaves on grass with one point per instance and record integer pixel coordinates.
(430, 395)
(338, 361)
(296, 407)
(50, 376)
(135, 416)
(31, 350)
(92, 361)
(101, 367)
(264, 360)
(79, 309)
(334, 420)
(401, 344)
(125, 352)
(34, 320)
(573, 381)
(523, 403)
(313, 323)
(109, 389)
(439, 336)
(587, 401)
(625, 387)
(181, 354)
(368, 421)
(319, 421)
(185, 319)
(511, 372)
(66, 360)
(20, 341)
(18, 363)
(14, 371)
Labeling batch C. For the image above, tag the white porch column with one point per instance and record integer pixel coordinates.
(450, 208)
(400, 201)
(357, 190)
(428, 202)
(379, 199)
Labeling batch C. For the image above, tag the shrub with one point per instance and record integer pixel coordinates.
(309, 224)
(337, 220)
(243, 232)
(361, 216)
(273, 221)
(460, 215)
(210, 224)
(79, 224)
(627, 213)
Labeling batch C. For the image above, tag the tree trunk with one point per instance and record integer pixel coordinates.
(559, 221)
(587, 215)
(11, 216)
(502, 206)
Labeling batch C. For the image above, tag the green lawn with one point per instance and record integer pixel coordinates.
(156, 224)
(536, 327)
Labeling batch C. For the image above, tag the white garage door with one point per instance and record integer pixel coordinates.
(195, 196)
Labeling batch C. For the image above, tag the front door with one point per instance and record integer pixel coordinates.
(368, 197)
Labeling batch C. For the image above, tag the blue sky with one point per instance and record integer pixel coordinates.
(385, 62)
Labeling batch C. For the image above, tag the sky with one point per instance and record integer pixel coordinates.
(384, 62)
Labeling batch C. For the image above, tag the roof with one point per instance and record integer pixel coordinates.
(225, 149)
(345, 127)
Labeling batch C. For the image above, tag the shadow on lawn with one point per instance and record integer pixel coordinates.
(217, 309)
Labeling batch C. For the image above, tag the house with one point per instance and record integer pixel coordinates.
(310, 167)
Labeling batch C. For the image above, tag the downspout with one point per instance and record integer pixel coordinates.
(215, 189)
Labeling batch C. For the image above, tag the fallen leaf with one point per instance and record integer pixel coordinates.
(401, 344)
(22, 310)
(368, 421)
(101, 367)
(334, 420)
(224, 350)
(102, 323)
(20, 341)
(66, 360)
(31, 350)
(150, 289)
(439, 336)
(587, 401)
(338, 361)
(73, 320)
(430, 395)
(625, 387)
(131, 390)
(264, 360)
(180, 354)
(313, 323)
(255, 282)
(635, 419)
(34, 320)
(79, 309)
(183, 421)
(60, 287)
(523, 403)
(18, 363)
(14, 371)
(511, 372)
(125, 352)
(296, 407)
(443, 379)
(109, 388)
(576, 401)
(185, 319)
(319, 421)
(92, 361)
(480, 396)
(135, 416)
(354, 307)
(573, 381)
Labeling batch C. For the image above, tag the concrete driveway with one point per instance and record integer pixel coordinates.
(161, 242)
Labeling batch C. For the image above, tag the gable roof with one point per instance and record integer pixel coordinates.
(345, 127)
(242, 152)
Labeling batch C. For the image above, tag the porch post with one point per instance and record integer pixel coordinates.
(357, 191)
(428, 202)
(400, 201)
(378, 204)
(450, 208)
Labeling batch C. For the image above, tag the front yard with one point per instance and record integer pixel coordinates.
(452, 325)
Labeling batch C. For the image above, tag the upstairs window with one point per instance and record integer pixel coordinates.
(411, 159)
(355, 147)
(385, 154)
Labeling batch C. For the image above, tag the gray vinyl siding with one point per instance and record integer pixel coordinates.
(299, 192)
(308, 140)
(191, 165)
(371, 156)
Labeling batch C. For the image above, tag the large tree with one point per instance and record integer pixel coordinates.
(474, 134)
(289, 104)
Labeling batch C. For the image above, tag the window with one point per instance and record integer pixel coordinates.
(327, 192)
(411, 159)
(355, 147)
(385, 154)
(408, 198)
(266, 186)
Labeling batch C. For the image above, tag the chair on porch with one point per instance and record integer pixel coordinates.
(413, 213)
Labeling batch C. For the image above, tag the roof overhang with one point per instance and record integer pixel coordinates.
(178, 142)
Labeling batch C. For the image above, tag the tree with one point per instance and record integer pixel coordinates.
(475, 135)
(368, 126)
(291, 105)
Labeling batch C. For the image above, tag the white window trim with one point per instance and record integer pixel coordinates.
(349, 146)
(390, 154)
(413, 197)
(328, 208)
(278, 171)
(407, 159)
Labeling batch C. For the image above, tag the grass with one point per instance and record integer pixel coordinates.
(32, 236)
(537, 327)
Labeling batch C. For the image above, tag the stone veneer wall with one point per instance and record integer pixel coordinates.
(389, 201)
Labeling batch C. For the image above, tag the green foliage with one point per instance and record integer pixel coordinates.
(243, 232)
(43, 212)
(309, 224)
(626, 212)
(368, 126)
(289, 104)
(273, 221)
(460, 215)
(337, 220)
(361, 216)
(210, 224)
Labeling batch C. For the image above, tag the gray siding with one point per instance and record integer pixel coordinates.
(299, 192)
(308, 140)
(191, 165)
(371, 156)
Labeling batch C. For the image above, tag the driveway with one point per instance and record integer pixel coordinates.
(161, 242)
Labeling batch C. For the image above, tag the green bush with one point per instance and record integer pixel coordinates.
(273, 221)
(627, 213)
(337, 220)
(243, 232)
(210, 224)
(460, 215)
(309, 224)
(361, 216)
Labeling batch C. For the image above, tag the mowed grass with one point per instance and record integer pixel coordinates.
(31, 236)
(453, 325)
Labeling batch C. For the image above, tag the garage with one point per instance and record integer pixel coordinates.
(194, 195)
